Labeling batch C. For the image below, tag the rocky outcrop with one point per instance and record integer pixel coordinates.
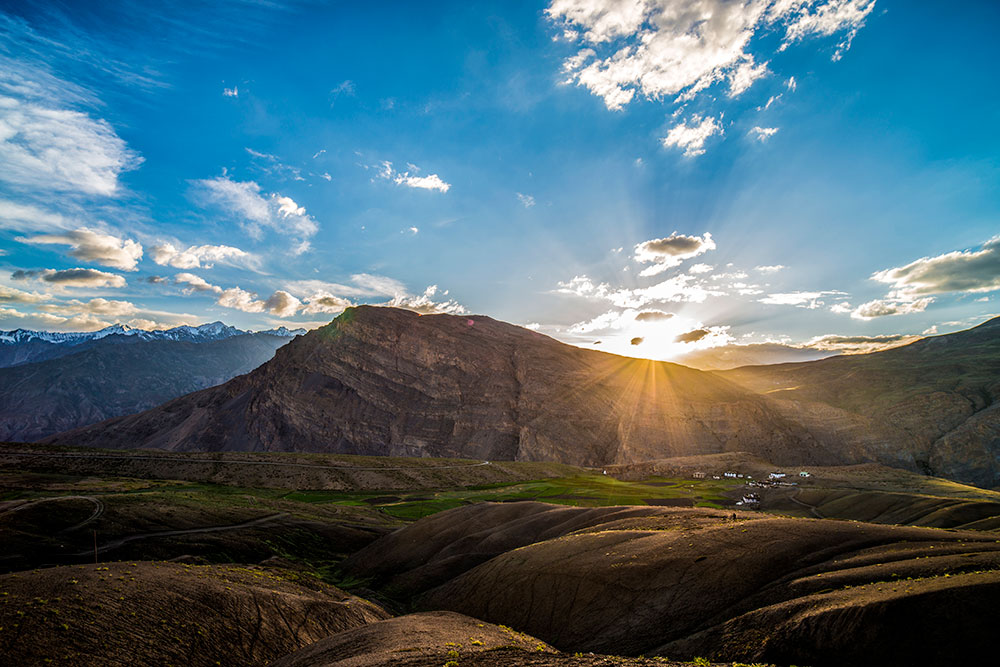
(384, 381)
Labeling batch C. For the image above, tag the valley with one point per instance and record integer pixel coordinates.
(413, 561)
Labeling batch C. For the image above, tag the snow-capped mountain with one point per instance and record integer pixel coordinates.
(23, 346)
(284, 332)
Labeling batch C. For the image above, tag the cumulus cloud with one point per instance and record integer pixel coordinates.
(195, 257)
(258, 211)
(72, 277)
(231, 92)
(280, 303)
(93, 246)
(692, 137)
(195, 283)
(959, 271)
(425, 304)
(410, 178)
(326, 303)
(859, 344)
(762, 134)
(659, 48)
(670, 251)
(887, 307)
(773, 268)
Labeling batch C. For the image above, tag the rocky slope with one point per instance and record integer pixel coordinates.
(117, 375)
(929, 406)
(390, 382)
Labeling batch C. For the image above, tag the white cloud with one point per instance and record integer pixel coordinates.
(842, 308)
(762, 134)
(411, 180)
(773, 268)
(701, 268)
(958, 271)
(195, 283)
(425, 303)
(47, 148)
(14, 295)
(280, 303)
(670, 251)
(660, 48)
(96, 306)
(362, 284)
(681, 288)
(194, 257)
(860, 344)
(29, 218)
(692, 137)
(72, 277)
(526, 200)
(256, 212)
(809, 300)
(886, 307)
(231, 92)
(93, 246)
(325, 303)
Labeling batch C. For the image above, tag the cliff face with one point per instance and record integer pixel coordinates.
(384, 381)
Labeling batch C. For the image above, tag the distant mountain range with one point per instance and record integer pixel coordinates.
(55, 382)
(22, 346)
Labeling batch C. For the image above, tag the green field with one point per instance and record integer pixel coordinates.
(580, 490)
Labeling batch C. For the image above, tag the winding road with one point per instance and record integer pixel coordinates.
(96, 514)
(114, 544)
(812, 508)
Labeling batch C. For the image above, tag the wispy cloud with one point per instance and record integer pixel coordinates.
(258, 211)
(762, 134)
(526, 200)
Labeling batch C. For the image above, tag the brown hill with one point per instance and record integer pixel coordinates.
(695, 582)
(390, 382)
(930, 406)
(146, 613)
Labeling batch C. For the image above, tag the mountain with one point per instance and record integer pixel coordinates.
(931, 405)
(384, 381)
(726, 357)
(23, 346)
(120, 374)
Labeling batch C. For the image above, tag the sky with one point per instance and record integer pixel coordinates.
(646, 177)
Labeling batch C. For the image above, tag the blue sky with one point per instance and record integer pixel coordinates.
(656, 175)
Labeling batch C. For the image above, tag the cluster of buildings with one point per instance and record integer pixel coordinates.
(752, 498)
